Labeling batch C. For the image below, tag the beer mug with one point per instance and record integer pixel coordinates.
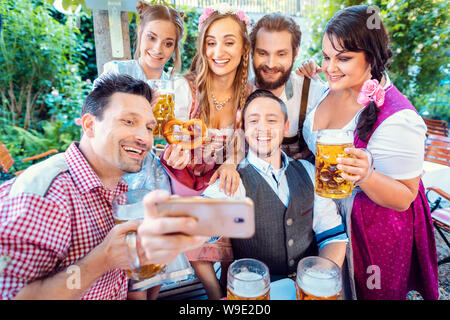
(164, 104)
(330, 145)
(129, 206)
(318, 279)
(248, 279)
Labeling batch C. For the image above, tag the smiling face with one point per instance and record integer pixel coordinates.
(273, 58)
(265, 127)
(123, 137)
(224, 46)
(343, 69)
(158, 41)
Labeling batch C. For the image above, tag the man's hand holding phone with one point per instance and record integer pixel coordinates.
(164, 237)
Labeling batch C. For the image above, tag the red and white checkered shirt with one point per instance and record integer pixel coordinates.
(43, 235)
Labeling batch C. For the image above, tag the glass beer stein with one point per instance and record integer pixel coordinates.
(164, 104)
(318, 279)
(129, 206)
(248, 279)
(330, 145)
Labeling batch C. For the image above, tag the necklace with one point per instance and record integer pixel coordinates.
(217, 104)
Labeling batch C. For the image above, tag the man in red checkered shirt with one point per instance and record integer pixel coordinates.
(57, 233)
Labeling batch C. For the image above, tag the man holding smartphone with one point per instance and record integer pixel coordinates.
(291, 222)
(57, 233)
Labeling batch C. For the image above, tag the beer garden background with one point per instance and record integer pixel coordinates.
(48, 60)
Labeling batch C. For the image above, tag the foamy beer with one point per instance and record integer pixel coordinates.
(164, 104)
(330, 145)
(248, 279)
(129, 206)
(318, 279)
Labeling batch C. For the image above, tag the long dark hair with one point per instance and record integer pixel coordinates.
(360, 29)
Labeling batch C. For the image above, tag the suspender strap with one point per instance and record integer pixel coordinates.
(304, 102)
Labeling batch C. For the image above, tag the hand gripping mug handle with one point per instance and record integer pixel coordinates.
(132, 251)
(369, 173)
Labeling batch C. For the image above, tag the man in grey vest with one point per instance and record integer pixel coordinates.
(291, 221)
(275, 41)
(57, 234)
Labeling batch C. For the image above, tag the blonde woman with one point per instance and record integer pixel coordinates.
(214, 90)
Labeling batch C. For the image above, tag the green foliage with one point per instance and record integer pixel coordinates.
(419, 40)
(435, 104)
(41, 91)
(191, 16)
(85, 38)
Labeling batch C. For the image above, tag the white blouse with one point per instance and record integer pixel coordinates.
(397, 145)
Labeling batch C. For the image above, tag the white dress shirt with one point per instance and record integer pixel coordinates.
(326, 219)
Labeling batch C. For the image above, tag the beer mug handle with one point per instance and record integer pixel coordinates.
(132, 251)
(369, 173)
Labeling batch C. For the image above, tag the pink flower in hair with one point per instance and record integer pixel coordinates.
(371, 91)
(78, 121)
(208, 11)
(241, 15)
(223, 8)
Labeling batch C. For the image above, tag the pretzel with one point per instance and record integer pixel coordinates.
(195, 140)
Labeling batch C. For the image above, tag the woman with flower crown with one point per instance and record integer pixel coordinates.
(214, 90)
(392, 246)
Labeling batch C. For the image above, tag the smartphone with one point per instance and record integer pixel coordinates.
(216, 217)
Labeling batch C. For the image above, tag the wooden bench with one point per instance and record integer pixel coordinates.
(7, 161)
(437, 127)
(437, 149)
(441, 219)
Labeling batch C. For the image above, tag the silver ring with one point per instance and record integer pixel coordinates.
(132, 250)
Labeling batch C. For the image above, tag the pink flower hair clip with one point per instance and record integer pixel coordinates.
(371, 91)
(223, 8)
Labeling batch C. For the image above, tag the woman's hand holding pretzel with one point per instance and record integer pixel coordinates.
(176, 157)
(186, 138)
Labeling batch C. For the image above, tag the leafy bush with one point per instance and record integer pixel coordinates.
(191, 16)
(36, 54)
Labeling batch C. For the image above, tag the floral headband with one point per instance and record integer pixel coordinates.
(371, 91)
(223, 8)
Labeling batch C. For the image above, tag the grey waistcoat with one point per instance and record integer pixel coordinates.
(282, 235)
